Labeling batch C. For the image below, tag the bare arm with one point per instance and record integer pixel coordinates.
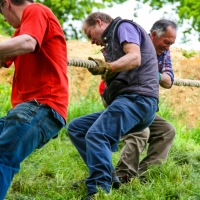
(15, 46)
(165, 81)
(130, 60)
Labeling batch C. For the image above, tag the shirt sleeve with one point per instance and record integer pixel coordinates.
(127, 32)
(165, 64)
(36, 30)
(8, 63)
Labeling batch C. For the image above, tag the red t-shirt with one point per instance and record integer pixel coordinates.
(41, 75)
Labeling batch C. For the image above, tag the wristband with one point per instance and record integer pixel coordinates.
(159, 76)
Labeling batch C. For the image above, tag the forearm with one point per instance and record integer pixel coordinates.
(165, 81)
(130, 60)
(15, 46)
(125, 63)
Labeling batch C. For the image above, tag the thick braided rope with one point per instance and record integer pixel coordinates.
(81, 63)
(91, 64)
(187, 82)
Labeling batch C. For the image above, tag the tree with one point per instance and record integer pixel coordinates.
(187, 10)
(70, 12)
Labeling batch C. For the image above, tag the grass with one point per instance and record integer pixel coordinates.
(49, 173)
(5, 103)
(189, 54)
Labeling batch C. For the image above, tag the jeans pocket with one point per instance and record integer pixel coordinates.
(23, 112)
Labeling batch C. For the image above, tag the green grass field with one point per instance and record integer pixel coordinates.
(50, 172)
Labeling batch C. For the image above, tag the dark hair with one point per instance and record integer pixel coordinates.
(161, 26)
(21, 2)
(91, 19)
(16, 2)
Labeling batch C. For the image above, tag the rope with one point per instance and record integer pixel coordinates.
(91, 64)
(81, 63)
(187, 82)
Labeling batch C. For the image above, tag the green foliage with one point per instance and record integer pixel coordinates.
(193, 134)
(5, 104)
(81, 103)
(84, 106)
(187, 10)
(72, 12)
(68, 13)
(49, 173)
(189, 54)
(5, 28)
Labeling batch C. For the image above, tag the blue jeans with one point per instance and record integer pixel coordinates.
(95, 134)
(26, 127)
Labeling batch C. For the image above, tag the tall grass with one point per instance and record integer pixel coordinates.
(49, 173)
(5, 104)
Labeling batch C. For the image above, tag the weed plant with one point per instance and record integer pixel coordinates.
(5, 103)
(49, 173)
(189, 54)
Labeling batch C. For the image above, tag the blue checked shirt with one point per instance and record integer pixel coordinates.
(165, 64)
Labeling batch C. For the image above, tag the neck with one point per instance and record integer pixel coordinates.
(19, 9)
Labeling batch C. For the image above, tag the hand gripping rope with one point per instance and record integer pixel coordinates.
(91, 64)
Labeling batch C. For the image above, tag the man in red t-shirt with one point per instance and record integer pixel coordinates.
(40, 84)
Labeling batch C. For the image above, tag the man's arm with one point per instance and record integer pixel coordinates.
(166, 81)
(165, 69)
(130, 60)
(15, 46)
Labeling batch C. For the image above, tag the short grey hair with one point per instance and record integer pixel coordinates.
(161, 26)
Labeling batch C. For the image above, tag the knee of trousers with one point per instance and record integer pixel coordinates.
(72, 129)
(10, 160)
(171, 132)
(135, 136)
(91, 136)
(71, 126)
(99, 137)
(75, 127)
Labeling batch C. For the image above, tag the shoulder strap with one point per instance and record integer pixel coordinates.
(115, 28)
(117, 24)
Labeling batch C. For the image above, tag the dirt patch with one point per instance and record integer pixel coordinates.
(183, 100)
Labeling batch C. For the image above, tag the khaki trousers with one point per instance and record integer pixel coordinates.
(160, 140)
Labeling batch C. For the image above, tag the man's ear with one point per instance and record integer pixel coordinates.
(153, 34)
(99, 22)
(7, 3)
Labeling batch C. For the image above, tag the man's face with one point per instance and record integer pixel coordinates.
(163, 42)
(9, 14)
(94, 33)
